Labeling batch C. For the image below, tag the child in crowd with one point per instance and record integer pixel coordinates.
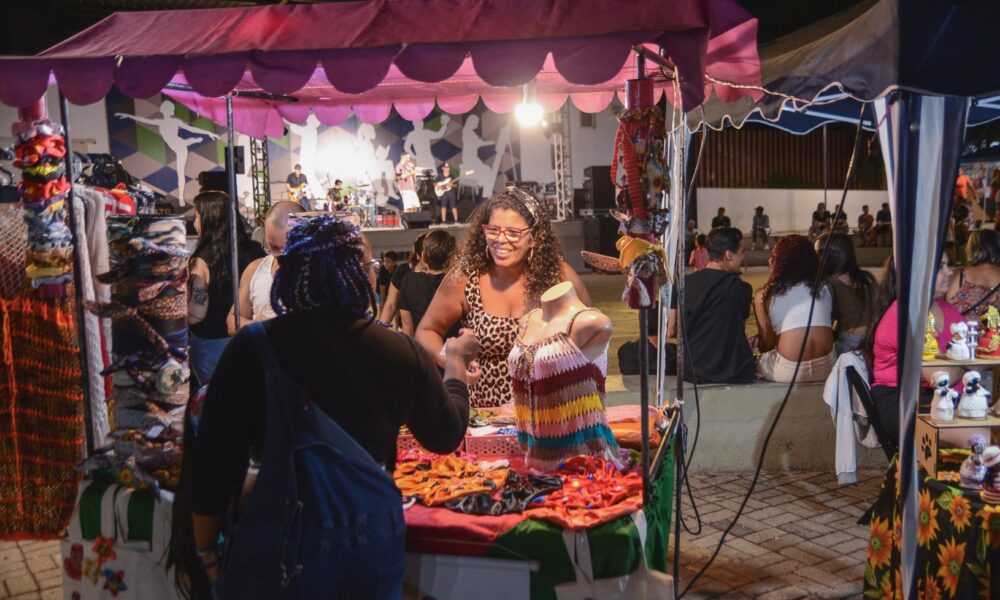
(699, 257)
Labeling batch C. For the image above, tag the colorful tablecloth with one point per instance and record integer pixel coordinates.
(958, 543)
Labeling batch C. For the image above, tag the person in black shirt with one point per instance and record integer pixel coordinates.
(210, 285)
(840, 224)
(883, 224)
(418, 288)
(820, 221)
(327, 344)
(390, 304)
(717, 305)
(721, 220)
(385, 272)
(296, 186)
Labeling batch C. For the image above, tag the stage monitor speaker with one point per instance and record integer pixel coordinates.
(213, 180)
(420, 219)
(600, 234)
(602, 191)
(241, 165)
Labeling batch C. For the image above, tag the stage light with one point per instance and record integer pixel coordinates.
(529, 112)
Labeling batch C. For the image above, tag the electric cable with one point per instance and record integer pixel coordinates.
(812, 305)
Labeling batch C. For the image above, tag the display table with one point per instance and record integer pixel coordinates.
(958, 542)
(449, 554)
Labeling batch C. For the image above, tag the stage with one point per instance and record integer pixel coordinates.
(401, 240)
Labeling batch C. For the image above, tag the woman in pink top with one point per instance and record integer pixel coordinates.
(699, 256)
(882, 350)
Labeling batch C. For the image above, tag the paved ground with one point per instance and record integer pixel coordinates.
(797, 539)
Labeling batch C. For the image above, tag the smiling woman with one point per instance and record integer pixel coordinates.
(510, 255)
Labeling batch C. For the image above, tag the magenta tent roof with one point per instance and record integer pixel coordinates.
(368, 56)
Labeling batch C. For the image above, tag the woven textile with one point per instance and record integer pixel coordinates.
(559, 401)
(13, 250)
(41, 417)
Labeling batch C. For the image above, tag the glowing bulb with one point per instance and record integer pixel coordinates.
(529, 115)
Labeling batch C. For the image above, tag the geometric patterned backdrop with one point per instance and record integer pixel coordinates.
(145, 155)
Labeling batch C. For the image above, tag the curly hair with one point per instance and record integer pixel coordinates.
(544, 268)
(324, 265)
(794, 261)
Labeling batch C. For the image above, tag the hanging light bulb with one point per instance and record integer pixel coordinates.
(529, 112)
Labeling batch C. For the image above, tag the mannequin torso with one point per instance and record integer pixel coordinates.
(590, 331)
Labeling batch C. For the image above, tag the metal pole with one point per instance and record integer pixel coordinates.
(826, 167)
(81, 323)
(644, 399)
(233, 220)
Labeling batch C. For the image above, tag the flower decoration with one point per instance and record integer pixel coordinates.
(927, 526)
(930, 590)
(114, 582)
(879, 543)
(989, 521)
(951, 557)
(104, 549)
(960, 511)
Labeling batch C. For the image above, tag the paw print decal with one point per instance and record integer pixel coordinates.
(925, 446)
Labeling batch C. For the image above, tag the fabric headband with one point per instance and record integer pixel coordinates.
(530, 202)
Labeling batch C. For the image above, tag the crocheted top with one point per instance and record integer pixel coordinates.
(559, 401)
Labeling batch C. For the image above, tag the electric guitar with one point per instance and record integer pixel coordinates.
(443, 186)
(297, 193)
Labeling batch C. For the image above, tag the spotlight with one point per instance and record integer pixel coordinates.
(529, 112)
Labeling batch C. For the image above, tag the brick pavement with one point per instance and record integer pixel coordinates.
(796, 539)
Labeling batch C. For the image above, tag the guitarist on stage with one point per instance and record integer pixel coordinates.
(296, 186)
(447, 197)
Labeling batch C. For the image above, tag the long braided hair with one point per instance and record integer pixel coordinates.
(324, 265)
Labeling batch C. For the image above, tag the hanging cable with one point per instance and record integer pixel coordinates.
(781, 408)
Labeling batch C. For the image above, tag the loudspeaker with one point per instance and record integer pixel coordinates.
(600, 234)
(420, 219)
(213, 180)
(602, 191)
(241, 165)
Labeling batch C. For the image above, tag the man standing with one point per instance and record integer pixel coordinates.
(721, 220)
(761, 228)
(715, 313)
(296, 186)
(447, 197)
(963, 185)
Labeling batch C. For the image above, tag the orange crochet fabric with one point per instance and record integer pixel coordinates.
(446, 478)
(593, 492)
(41, 417)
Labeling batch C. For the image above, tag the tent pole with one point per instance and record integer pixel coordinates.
(81, 321)
(233, 200)
(826, 166)
(640, 73)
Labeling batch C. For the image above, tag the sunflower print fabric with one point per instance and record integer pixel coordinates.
(957, 537)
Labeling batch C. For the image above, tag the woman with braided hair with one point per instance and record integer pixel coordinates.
(510, 256)
(304, 393)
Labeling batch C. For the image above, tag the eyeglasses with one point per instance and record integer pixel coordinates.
(512, 235)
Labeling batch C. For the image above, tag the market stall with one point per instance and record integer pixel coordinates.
(578, 50)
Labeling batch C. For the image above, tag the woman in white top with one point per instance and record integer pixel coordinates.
(782, 308)
(255, 282)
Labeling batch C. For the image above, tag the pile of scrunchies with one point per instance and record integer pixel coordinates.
(148, 277)
(44, 192)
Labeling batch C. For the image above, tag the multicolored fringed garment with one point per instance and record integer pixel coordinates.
(41, 417)
(559, 401)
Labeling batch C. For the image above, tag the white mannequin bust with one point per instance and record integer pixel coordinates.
(591, 331)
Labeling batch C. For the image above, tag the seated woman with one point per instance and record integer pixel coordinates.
(853, 290)
(977, 286)
(881, 346)
(319, 394)
(786, 334)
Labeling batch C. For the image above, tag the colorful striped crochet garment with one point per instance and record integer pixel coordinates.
(559, 401)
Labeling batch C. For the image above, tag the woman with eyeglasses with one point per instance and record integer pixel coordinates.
(510, 255)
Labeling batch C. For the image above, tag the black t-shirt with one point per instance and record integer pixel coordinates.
(399, 274)
(220, 295)
(416, 294)
(883, 216)
(295, 180)
(721, 222)
(384, 276)
(369, 379)
(717, 305)
(821, 218)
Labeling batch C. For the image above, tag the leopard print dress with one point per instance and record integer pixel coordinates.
(496, 338)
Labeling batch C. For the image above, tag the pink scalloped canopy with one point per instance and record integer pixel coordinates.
(369, 56)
